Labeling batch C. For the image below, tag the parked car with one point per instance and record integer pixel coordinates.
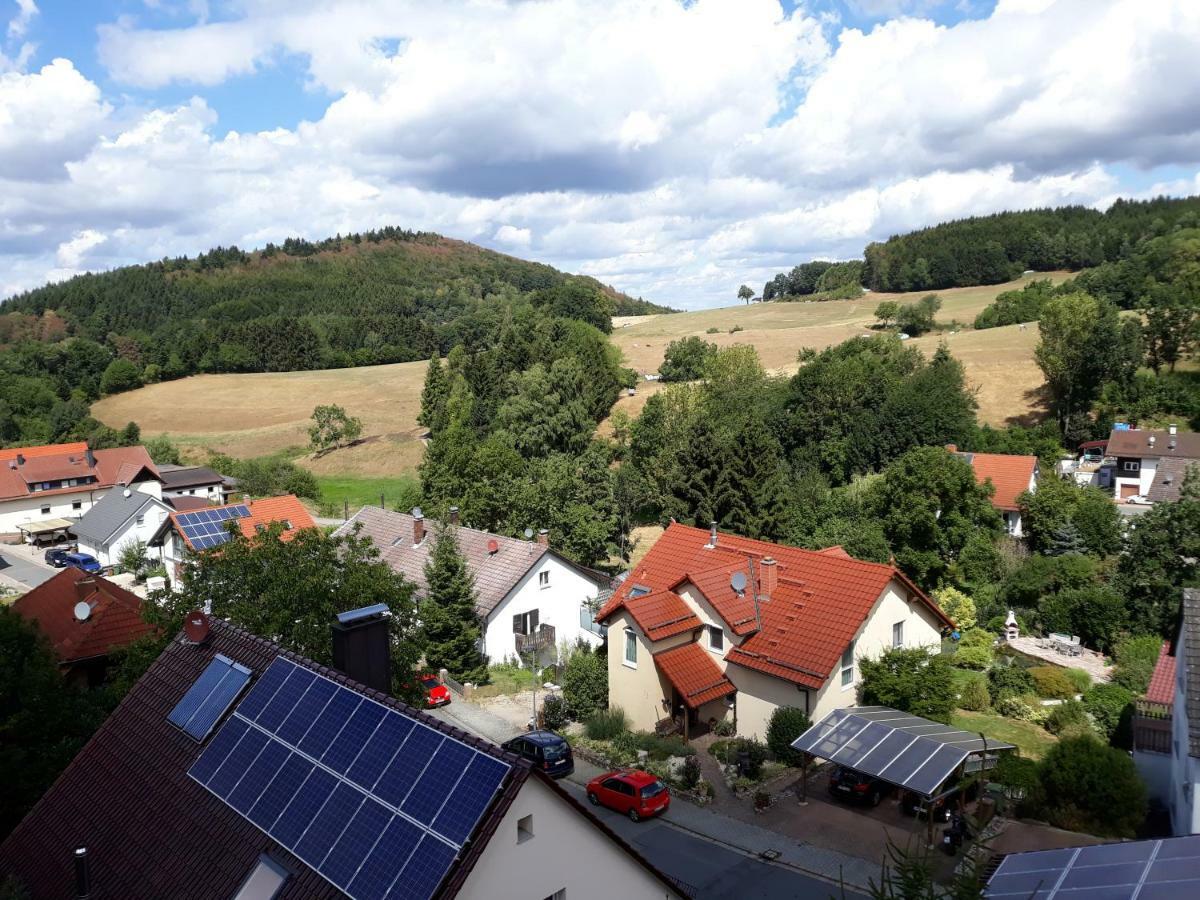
(546, 750)
(1139, 500)
(436, 693)
(631, 792)
(847, 784)
(57, 557)
(84, 561)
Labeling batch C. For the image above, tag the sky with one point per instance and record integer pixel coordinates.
(672, 149)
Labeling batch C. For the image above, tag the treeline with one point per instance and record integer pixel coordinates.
(827, 280)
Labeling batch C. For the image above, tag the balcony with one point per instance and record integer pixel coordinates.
(1152, 726)
(541, 638)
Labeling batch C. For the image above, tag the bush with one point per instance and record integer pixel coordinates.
(1020, 777)
(910, 680)
(585, 683)
(624, 744)
(606, 724)
(957, 605)
(1067, 716)
(1092, 788)
(1111, 706)
(787, 724)
(712, 329)
(1024, 708)
(662, 747)
(1080, 680)
(690, 776)
(728, 751)
(724, 728)
(974, 651)
(1136, 657)
(1052, 682)
(687, 359)
(555, 714)
(974, 695)
(735, 329)
(1008, 681)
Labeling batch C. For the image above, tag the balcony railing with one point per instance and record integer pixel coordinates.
(1152, 726)
(539, 640)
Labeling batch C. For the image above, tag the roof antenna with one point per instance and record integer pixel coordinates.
(529, 537)
(754, 593)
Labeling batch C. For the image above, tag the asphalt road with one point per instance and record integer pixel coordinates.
(28, 573)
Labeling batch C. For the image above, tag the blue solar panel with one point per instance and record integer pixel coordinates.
(376, 802)
(207, 699)
(207, 528)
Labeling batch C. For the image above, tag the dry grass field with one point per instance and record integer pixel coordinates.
(252, 415)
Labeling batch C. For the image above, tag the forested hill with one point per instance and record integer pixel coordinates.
(994, 249)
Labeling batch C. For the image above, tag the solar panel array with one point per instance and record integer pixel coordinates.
(915, 753)
(1145, 870)
(207, 528)
(207, 699)
(376, 802)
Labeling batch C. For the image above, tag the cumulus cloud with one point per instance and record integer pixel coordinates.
(673, 149)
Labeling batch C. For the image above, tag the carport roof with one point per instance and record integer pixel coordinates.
(915, 753)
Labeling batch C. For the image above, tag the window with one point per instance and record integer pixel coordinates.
(524, 829)
(1132, 465)
(77, 505)
(716, 638)
(264, 881)
(848, 666)
(630, 648)
(638, 590)
(45, 510)
(897, 636)
(543, 579)
(525, 623)
(140, 520)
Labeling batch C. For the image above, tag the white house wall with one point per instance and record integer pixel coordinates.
(558, 604)
(108, 553)
(566, 852)
(1184, 800)
(33, 508)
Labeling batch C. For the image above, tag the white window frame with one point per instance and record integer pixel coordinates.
(719, 634)
(898, 634)
(848, 668)
(265, 880)
(1131, 465)
(544, 579)
(630, 645)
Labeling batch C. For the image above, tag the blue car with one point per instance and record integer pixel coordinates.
(84, 561)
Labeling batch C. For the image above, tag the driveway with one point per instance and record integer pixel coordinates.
(21, 570)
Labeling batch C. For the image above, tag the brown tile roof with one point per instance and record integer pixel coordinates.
(1162, 681)
(186, 504)
(1168, 478)
(1008, 474)
(115, 619)
(119, 465)
(1136, 442)
(496, 573)
(151, 831)
(819, 601)
(662, 614)
(693, 673)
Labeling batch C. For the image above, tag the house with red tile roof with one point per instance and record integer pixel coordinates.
(1010, 476)
(39, 485)
(85, 617)
(712, 626)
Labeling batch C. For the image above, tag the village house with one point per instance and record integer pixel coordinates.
(84, 617)
(530, 597)
(1010, 475)
(195, 481)
(119, 519)
(1150, 464)
(710, 626)
(44, 490)
(234, 769)
(183, 533)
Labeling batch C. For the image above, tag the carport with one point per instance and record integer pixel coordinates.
(35, 530)
(910, 752)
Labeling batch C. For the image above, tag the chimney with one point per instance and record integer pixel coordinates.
(20, 459)
(91, 458)
(769, 578)
(712, 535)
(544, 537)
(418, 526)
(1172, 428)
(953, 448)
(84, 588)
(83, 875)
(362, 646)
(1151, 440)
(453, 515)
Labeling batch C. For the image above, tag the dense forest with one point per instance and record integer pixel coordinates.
(996, 248)
(363, 299)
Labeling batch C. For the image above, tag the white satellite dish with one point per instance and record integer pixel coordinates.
(738, 581)
(528, 533)
(82, 611)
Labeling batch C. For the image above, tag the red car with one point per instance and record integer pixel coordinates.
(631, 792)
(436, 693)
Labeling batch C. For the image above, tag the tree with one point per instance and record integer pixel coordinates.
(120, 375)
(886, 312)
(1092, 788)
(161, 450)
(920, 317)
(132, 557)
(546, 412)
(746, 293)
(687, 359)
(957, 605)
(1060, 516)
(450, 623)
(331, 427)
(585, 683)
(787, 723)
(974, 649)
(434, 395)
(1170, 332)
(911, 680)
(1111, 708)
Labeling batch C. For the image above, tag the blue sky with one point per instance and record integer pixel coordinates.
(675, 149)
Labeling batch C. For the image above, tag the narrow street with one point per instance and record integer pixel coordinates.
(19, 571)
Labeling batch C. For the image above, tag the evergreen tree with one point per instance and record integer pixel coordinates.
(450, 622)
(434, 396)
(1066, 539)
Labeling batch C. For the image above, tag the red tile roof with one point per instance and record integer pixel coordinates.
(819, 601)
(737, 610)
(693, 673)
(1009, 475)
(662, 614)
(54, 462)
(287, 509)
(115, 620)
(1162, 682)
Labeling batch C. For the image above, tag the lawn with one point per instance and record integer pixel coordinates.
(349, 492)
(1033, 740)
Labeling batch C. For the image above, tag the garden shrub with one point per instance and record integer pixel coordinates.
(727, 753)
(787, 724)
(1111, 706)
(1066, 717)
(554, 713)
(1092, 788)
(1023, 708)
(625, 745)
(1080, 679)
(974, 650)
(1008, 681)
(690, 775)
(1020, 777)
(1052, 682)
(1136, 657)
(974, 695)
(585, 683)
(724, 728)
(663, 747)
(606, 724)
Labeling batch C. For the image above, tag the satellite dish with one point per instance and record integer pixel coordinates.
(196, 626)
(127, 493)
(528, 533)
(738, 581)
(82, 611)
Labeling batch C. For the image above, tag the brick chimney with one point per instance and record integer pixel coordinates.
(452, 515)
(84, 588)
(418, 525)
(543, 537)
(769, 578)
(953, 448)
(20, 459)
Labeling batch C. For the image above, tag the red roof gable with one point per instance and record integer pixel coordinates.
(60, 462)
(662, 614)
(694, 675)
(1162, 682)
(115, 619)
(1009, 475)
(819, 601)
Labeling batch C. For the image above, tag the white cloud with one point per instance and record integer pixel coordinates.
(19, 24)
(47, 118)
(71, 253)
(509, 236)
